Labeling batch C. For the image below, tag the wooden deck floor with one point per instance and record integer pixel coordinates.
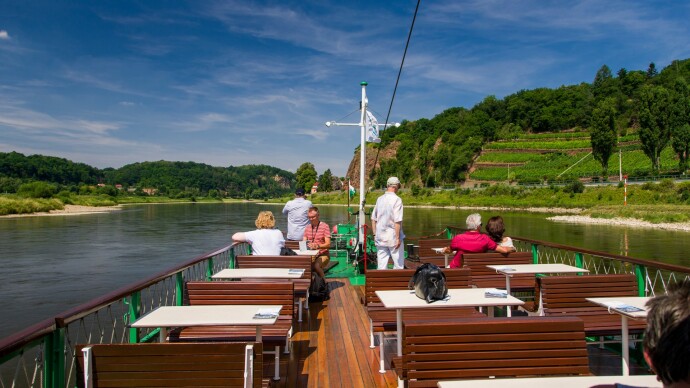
(330, 348)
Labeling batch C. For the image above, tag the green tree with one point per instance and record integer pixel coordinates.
(326, 181)
(681, 146)
(651, 70)
(604, 84)
(36, 190)
(603, 133)
(680, 122)
(306, 176)
(655, 114)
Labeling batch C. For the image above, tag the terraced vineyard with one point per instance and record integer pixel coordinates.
(536, 158)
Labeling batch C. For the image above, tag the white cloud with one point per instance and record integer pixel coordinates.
(4, 35)
(320, 135)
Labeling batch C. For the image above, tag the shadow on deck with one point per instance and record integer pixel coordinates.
(330, 348)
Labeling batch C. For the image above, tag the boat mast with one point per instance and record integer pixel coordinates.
(361, 220)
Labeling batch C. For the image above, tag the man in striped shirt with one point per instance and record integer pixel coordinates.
(318, 236)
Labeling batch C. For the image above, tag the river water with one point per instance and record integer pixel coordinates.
(50, 264)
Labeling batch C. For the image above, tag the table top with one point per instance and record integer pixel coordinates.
(273, 273)
(308, 252)
(459, 297)
(209, 315)
(508, 269)
(440, 250)
(560, 382)
(618, 304)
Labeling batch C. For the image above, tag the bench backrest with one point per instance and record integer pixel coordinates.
(479, 348)
(560, 294)
(485, 277)
(399, 279)
(296, 262)
(234, 293)
(171, 364)
(292, 244)
(426, 245)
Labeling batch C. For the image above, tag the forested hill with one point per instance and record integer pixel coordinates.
(168, 178)
(440, 150)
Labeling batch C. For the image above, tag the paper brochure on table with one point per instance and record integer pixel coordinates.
(622, 306)
(296, 271)
(505, 268)
(303, 245)
(495, 293)
(267, 313)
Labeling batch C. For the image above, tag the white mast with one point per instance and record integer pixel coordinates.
(361, 219)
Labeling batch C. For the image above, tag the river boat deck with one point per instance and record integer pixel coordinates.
(330, 348)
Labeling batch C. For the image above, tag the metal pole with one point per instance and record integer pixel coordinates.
(362, 161)
(625, 191)
(620, 165)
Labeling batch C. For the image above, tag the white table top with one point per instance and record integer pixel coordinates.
(441, 251)
(273, 273)
(560, 382)
(308, 252)
(508, 269)
(613, 302)
(210, 315)
(459, 297)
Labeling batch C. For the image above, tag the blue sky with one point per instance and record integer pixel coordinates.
(109, 83)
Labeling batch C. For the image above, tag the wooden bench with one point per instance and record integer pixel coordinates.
(485, 277)
(167, 365)
(242, 293)
(382, 319)
(427, 255)
(565, 296)
(480, 348)
(298, 262)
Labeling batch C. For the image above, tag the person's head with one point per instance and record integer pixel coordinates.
(474, 221)
(265, 220)
(299, 192)
(313, 215)
(495, 228)
(667, 336)
(393, 184)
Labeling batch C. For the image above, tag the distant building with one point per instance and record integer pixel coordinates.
(150, 191)
(101, 185)
(118, 186)
(315, 188)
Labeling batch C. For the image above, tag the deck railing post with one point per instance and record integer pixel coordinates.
(209, 268)
(54, 362)
(640, 271)
(579, 260)
(179, 288)
(134, 312)
(535, 253)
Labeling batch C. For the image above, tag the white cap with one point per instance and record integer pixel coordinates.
(393, 181)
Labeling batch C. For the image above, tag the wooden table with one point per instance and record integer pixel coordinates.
(267, 273)
(459, 297)
(560, 382)
(512, 269)
(308, 252)
(165, 317)
(614, 306)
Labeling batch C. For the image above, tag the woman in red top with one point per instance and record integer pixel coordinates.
(473, 241)
(318, 236)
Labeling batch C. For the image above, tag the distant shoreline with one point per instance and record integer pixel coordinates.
(69, 210)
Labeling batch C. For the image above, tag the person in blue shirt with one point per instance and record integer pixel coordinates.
(296, 211)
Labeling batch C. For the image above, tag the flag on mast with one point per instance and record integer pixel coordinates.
(372, 126)
(351, 189)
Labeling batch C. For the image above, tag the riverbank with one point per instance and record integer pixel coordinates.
(69, 210)
(627, 222)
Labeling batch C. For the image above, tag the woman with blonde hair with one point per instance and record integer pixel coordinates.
(266, 240)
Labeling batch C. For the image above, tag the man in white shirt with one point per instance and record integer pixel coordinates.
(386, 222)
(296, 211)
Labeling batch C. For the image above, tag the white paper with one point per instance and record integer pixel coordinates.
(621, 306)
(267, 312)
(495, 293)
(505, 268)
(294, 271)
(303, 245)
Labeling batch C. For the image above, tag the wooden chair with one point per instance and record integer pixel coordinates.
(382, 319)
(427, 255)
(481, 348)
(566, 296)
(166, 365)
(242, 293)
(297, 262)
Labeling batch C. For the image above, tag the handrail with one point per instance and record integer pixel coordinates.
(76, 313)
(12, 343)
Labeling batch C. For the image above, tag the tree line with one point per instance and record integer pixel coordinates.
(656, 105)
(173, 179)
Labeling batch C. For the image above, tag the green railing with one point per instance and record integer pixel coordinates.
(652, 277)
(43, 355)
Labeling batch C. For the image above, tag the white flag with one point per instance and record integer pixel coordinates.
(372, 126)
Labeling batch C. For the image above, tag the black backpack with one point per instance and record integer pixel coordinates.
(429, 283)
(318, 291)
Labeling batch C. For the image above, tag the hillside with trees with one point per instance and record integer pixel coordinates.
(652, 106)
